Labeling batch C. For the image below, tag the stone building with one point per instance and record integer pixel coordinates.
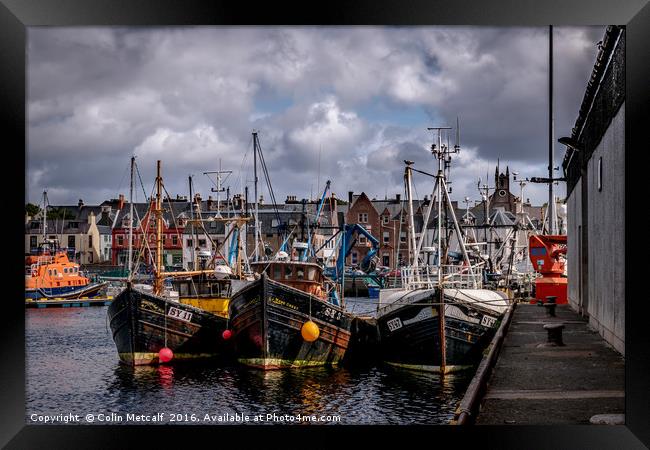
(594, 165)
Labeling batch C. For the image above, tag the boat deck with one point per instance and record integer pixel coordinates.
(534, 383)
(68, 303)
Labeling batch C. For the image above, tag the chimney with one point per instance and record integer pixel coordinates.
(398, 197)
(106, 211)
(91, 218)
(261, 199)
(209, 206)
(350, 194)
(120, 202)
(81, 203)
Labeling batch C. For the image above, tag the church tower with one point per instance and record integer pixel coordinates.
(502, 197)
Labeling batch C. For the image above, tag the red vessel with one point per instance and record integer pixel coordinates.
(547, 252)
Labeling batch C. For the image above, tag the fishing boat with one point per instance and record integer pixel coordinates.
(291, 315)
(50, 274)
(150, 327)
(441, 318)
(288, 318)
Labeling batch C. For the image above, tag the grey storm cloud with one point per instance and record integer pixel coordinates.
(326, 102)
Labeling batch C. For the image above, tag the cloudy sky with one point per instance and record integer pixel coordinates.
(342, 103)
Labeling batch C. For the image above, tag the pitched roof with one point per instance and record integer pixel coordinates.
(57, 227)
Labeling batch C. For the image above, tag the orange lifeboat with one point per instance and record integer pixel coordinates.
(54, 275)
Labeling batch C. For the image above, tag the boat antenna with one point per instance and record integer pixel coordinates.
(220, 179)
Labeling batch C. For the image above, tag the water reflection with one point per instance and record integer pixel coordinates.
(76, 368)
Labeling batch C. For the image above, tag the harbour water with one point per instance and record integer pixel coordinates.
(72, 368)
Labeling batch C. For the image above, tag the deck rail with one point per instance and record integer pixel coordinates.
(451, 276)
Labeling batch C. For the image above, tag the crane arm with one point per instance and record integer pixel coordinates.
(347, 243)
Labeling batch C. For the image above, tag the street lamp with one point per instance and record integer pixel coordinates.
(570, 143)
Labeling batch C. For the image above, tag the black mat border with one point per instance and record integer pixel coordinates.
(15, 15)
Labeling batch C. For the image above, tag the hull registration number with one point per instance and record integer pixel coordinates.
(488, 321)
(180, 314)
(394, 324)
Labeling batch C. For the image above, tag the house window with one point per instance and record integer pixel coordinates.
(363, 240)
(355, 257)
(402, 236)
(90, 241)
(73, 225)
(71, 242)
(189, 242)
(600, 174)
(386, 237)
(385, 220)
(202, 243)
(35, 225)
(363, 217)
(33, 241)
(175, 240)
(120, 240)
(385, 259)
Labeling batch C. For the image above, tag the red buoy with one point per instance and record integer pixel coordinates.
(165, 355)
(226, 334)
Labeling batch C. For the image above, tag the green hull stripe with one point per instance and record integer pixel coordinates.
(424, 368)
(144, 358)
(282, 363)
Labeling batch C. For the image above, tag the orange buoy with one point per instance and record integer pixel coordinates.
(309, 331)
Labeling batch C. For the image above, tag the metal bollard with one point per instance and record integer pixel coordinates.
(554, 333)
(550, 309)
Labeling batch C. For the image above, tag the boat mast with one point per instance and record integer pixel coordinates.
(194, 241)
(257, 222)
(130, 248)
(412, 249)
(157, 289)
(551, 196)
(44, 216)
(442, 334)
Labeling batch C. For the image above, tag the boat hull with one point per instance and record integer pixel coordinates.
(65, 291)
(410, 334)
(142, 324)
(266, 319)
